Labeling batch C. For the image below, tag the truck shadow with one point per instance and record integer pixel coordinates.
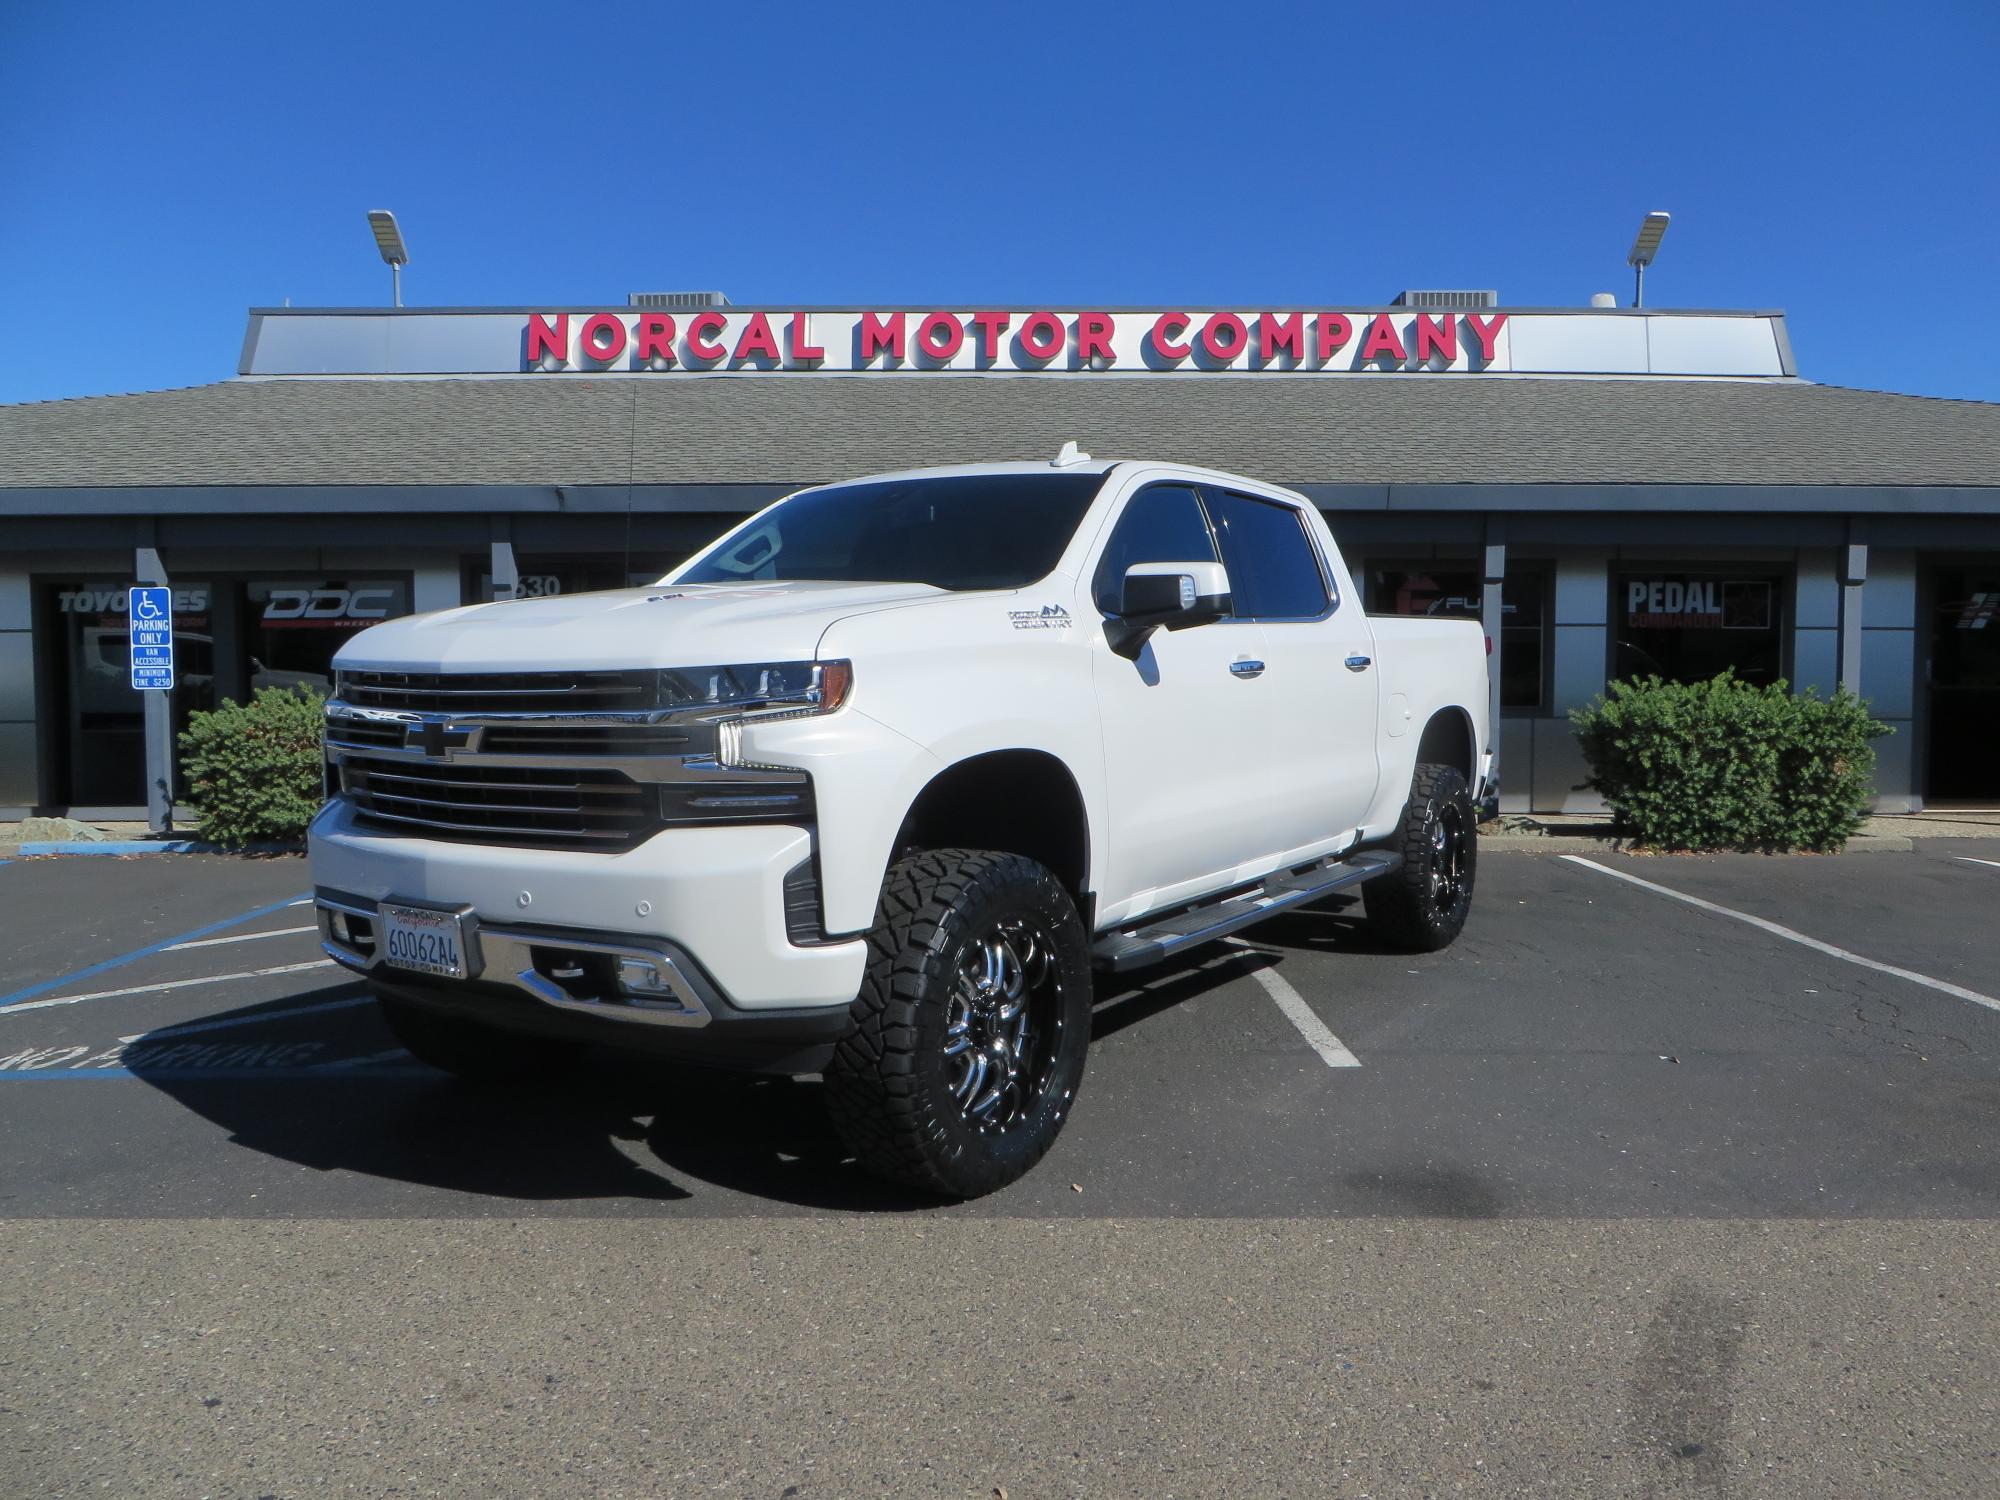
(606, 1129)
(1330, 926)
(315, 1079)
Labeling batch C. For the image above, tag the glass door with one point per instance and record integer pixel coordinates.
(1964, 685)
(103, 755)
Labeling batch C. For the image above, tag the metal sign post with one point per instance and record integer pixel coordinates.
(149, 615)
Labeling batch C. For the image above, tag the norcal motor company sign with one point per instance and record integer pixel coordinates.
(1075, 343)
(744, 340)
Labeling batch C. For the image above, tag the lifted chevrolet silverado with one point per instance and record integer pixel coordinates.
(869, 788)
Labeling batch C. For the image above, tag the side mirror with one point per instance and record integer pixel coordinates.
(1170, 594)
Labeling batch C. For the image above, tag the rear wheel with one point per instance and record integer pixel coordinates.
(478, 1054)
(1422, 906)
(966, 1045)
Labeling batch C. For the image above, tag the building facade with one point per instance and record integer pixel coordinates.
(1614, 492)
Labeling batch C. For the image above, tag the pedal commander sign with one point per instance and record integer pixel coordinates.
(949, 339)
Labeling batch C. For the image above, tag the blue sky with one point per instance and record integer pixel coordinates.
(165, 167)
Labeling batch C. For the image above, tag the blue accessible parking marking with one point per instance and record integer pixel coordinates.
(29, 993)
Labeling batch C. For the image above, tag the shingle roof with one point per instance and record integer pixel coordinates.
(790, 429)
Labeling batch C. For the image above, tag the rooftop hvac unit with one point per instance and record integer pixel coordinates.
(676, 301)
(1446, 299)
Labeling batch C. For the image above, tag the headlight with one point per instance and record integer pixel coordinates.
(762, 691)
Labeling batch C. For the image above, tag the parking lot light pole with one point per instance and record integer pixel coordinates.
(1652, 229)
(395, 254)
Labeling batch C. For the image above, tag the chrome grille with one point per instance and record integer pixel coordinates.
(557, 806)
(363, 734)
(501, 692)
(598, 739)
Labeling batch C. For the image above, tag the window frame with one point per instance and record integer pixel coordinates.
(1318, 554)
(1785, 600)
(1125, 506)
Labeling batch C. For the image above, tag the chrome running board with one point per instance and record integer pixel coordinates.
(1135, 947)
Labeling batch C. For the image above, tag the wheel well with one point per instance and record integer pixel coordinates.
(1022, 801)
(1447, 741)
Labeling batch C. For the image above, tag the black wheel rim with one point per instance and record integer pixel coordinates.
(1447, 857)
(1003, 1022)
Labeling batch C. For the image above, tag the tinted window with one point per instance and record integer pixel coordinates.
(1160, 524)
(983, 531)
(1686, 627)
(1274, 573)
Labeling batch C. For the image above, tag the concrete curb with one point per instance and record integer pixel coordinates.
(1557, 843)
(137, 846)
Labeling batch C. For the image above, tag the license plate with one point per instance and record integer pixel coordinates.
(424, 941)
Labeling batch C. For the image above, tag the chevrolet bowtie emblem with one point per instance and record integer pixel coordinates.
(439, 740)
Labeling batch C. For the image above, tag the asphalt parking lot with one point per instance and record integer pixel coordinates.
(1621, 1194)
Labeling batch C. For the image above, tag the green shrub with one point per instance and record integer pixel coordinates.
(254, 769)
(1725, 765)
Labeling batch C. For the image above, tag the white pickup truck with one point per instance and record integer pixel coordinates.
(871, 785)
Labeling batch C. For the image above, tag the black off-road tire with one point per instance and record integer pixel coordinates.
(889, 1087)
(478, 1054)
(1422, 906)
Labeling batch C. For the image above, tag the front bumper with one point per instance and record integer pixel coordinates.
(713, 896)
(516, 987)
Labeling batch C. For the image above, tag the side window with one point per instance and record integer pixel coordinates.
(1274, 571)
(1163, 523)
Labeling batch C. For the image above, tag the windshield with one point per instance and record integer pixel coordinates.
(979, 531)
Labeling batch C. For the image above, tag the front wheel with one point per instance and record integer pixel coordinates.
(965, 1046)
(1421, 906)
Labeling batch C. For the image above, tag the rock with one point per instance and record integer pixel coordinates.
(53, 830)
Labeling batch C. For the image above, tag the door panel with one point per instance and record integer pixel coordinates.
(1324, 738)
(1184, 734)
(1185, 741)
(1321, 759)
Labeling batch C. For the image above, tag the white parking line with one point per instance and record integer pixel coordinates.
(1332, 1051)
(1940, 985)
(1994, 863)
(171, 984)
(242, 937)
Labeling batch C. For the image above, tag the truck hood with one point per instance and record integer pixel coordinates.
(665, 625)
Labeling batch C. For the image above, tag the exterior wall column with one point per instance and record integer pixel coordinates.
(435, 586)
(19, 736)
(1853, 574)
(1581, 647)
(506, 575)
(1886, 662)
(1492, 598)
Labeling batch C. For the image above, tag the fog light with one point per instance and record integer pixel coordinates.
(641, 976)
(336, 924)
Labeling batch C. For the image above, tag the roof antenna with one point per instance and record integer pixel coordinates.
(1070, 454)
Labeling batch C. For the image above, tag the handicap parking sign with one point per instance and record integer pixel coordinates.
(150, 615)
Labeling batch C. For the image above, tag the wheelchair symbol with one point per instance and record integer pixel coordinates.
(149, 608)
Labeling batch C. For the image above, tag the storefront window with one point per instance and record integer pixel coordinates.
(1687, 627)
(1453, 591)
(546, 577)
(1964, 682)
(102, 725)
(293, 626)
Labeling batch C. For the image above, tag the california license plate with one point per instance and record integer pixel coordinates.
(424, 941)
